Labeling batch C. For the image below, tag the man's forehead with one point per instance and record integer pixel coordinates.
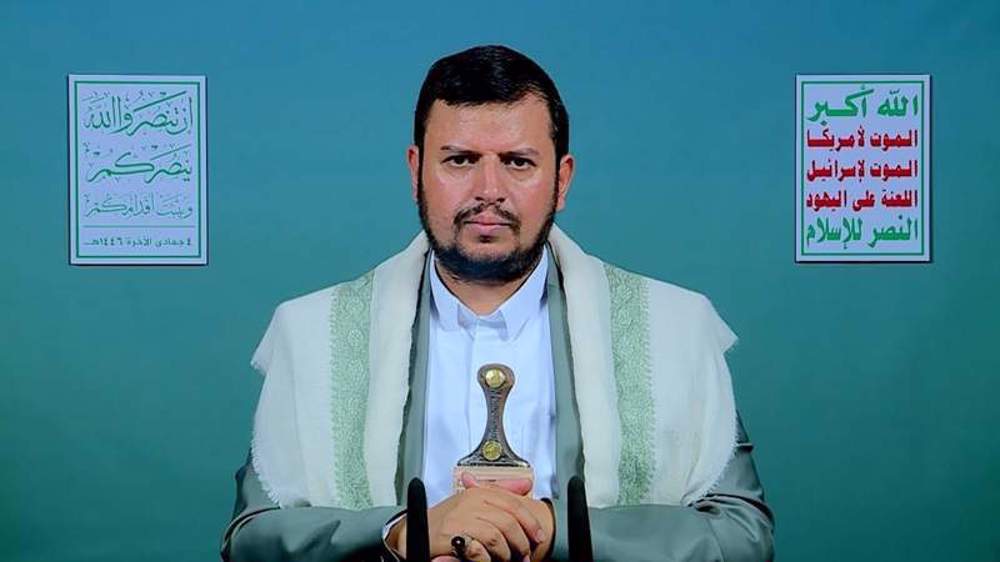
(525, 121)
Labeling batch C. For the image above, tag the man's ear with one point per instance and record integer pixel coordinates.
(413, 163)
(567, 165)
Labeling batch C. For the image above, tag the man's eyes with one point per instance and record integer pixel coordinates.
(464, 160)
(518, 163)
(461, 160)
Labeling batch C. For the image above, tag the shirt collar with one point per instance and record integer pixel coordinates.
(509, 318)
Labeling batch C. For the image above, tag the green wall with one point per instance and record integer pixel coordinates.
(869, 390)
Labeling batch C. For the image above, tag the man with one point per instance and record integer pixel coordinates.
(620, 378)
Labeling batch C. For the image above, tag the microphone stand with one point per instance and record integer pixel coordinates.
(580, 546)
(418, 546)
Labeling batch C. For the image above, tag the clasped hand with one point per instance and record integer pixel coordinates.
(500, 521)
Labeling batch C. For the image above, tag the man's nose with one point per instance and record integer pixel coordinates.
(489, 180)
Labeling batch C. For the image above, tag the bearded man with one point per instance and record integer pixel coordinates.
(621, 379)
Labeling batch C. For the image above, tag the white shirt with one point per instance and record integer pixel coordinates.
(460, 342)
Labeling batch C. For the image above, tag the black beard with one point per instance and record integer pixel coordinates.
(486, 270)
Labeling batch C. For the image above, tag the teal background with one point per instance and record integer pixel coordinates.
(869, 390)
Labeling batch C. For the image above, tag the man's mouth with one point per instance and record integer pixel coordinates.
(487, 220)
(486, 225)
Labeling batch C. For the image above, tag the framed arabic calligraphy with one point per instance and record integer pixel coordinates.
(862, 168)
(137, 170)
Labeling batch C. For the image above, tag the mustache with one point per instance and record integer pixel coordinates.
(466, 214)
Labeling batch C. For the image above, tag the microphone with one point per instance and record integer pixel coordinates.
(580, 547)
(418, 546)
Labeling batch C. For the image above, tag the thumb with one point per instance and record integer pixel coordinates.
(469, 481)
(517, 486)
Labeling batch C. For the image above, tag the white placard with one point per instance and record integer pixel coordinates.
(862, 168)
(137, 170)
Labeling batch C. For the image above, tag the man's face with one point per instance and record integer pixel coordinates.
(488, 187)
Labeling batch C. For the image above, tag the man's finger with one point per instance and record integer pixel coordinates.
(531, 525)
(469, 481)
(516, 486)
(476, 552)
(487, 535)
(516, 537)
